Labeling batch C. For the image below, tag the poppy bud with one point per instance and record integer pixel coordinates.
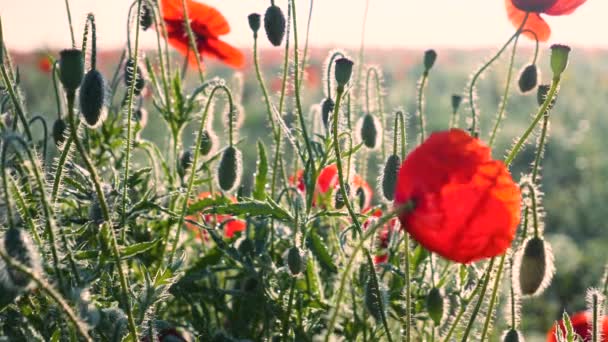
(71, 69)
(59, 128)
(343, 71)
(254, 22)
(374, 299)
(274, 23)
(370, 131)
(250, 284)
(434, 305)
(528, 78)
(139, 79)
(208, 142)
(339, 200)
(229, 170)
(512, 336)
(294, 260)
(360, 193)
(389, 176)
(145, 20)
(327, 108)
(92, 93)
(185, 161)
(141, 117)
(456, 101)
(541, 95)
(18, 245)
(430, 56)
(535, 266)
(559, 59)
(246, 247)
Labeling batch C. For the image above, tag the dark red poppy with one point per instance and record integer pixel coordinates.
(466, 205)
(230, 224)
(207, 24)
(517, 9)
(581, 324)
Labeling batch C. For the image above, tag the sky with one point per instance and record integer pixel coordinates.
(39, 24)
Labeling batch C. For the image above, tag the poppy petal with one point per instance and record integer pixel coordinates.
(563, 7)
(534, 22)
(234, 226)
(222, 51)
(205, 19)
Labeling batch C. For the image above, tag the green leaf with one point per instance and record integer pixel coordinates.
(125, 253)
(206, 203)
(261, 173)
(319, 250)
(252, 208)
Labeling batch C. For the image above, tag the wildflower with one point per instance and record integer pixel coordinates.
(207, 25)
(44, 64)
(517, 10)
(581, 324)
(231, 225)
(383, 237)
(466, 206)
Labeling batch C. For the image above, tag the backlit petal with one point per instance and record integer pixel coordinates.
(534, 22)
(564, 7)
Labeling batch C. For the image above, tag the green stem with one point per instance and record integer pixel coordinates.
(128, 146)
(406, 327)
(305, 54)
(67, 9)
(505, 95)
(419, 101)
(287, 317)
(489, 314)
(192, 41)
(65, 152)
(484, 287)
(16, 102)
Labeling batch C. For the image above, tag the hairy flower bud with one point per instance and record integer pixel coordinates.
(229, 169)
(59, 130)
(534, 267)
(18, 245)
(129, 77)
(389, 176)
(512, 335)
(71, 69)
(92, 94)
(456, 101)
(343, 71)
(295, 261)
(274, 23)
(145, 19)
(434, 305)
(528, 78)
(370, 131)
(327, 108)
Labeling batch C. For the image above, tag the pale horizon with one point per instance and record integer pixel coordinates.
(335, 23)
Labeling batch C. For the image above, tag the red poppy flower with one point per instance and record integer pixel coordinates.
(466, 205)
(582, 327)
(383, 236)
(516, 11)
(45, 65)
(230, 224)
(207, 25)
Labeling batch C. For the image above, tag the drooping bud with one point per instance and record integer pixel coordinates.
(339, 200)
(129, 77)
(430, 56)
(294, 261)
(254, 22)
(229, 170)
(559, 59)
(208, 142)
(528, 78)
(389, 176)
(145, 20)
(71, 69)
(141, 117)
(18, 245)
(534, 267)
(541, 95)
(59, 130)
(343, 71)
(274, 23)
(456, 101)
(434, 305)
(370, 131)
(185, 161)
(512, 335)
(92, 95)
(327, 108)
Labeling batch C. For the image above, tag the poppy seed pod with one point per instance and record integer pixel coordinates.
(254, 22)
(456, 101)
(139, 79)
(559, 59)
(229, 169)
(430, 56)
(370, 131)
(294, 261)
(327, 108)
(59, 129)
(274, 23)
(512, 335)
(534, 267)
(145, 19)
(389, 176)
(434, 305)
(528, 78)
(92, 94)
(343, 71)
(71, 69)
(18, 245)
